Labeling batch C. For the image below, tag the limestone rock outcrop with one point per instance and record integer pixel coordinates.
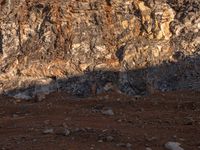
(91, 46)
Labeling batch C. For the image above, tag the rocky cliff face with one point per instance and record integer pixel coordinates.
(91, 46)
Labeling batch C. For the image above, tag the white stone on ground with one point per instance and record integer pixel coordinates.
(48, 131)
(173, 146)
(108, 112)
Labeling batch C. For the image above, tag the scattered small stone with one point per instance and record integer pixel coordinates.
(118, 99)
(48, 131)
(151, 139)
(92, 146)
(109, 138)
(128, 145)
(66, 132)
(18, 101)
(40, 96)
(77, 129)
(22, 95)
(121, 145)
(100, 141)
(108, 86)
(182, 139)
(87, 128)
(104, 130)
(63, 131)
(188, 121)
(173, 146)
(119, 120)
(34, 140)
(46, 122)
(107, 111)
(174, 137)
(15, 115)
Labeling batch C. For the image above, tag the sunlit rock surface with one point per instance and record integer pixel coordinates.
(135, 46)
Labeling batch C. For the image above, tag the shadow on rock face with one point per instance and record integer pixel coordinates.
(169, 76)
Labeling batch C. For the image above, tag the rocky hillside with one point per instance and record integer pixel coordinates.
(91, 46)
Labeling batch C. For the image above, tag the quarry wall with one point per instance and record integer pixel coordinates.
(90, 46)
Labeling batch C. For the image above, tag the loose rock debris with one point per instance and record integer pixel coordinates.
(70, 123)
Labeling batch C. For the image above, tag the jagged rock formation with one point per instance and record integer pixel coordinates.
(89, 46)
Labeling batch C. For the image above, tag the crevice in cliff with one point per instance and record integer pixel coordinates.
(1, 42)
(109, 2)
(19, 36)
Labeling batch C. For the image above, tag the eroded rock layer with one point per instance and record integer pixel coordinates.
(91, 46)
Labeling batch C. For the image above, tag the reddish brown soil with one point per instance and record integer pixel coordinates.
(143, 122)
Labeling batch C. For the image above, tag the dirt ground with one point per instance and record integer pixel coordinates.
(105, 122)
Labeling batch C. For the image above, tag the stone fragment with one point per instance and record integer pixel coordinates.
(48, 131)
(107, 111)
(173, 146)
(109, 138)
